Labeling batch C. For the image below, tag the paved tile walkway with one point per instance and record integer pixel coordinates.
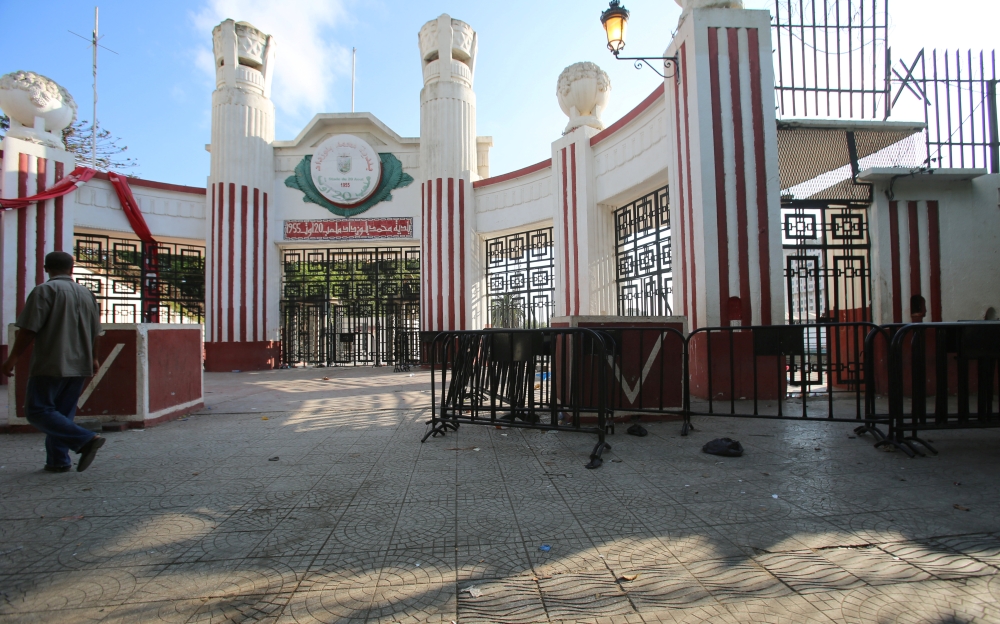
(298, 499)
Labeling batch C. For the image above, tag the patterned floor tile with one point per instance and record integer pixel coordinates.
(806, 572)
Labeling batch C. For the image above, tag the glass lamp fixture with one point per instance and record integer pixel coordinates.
(615, 20)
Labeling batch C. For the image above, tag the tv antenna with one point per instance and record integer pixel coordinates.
(94, 41)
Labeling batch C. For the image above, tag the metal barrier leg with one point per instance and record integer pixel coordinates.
(914, 438)
(902, 445)
(872, 429)
(595, 456)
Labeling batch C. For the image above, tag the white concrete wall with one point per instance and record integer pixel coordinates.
(168, 213)
(969, 235)
(633, 160)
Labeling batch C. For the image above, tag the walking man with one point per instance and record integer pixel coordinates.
(61, 317)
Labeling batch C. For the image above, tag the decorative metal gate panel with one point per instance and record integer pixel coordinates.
(520, 279)
(642, 249)
(136, 282)
(827, 280)
(351, 306)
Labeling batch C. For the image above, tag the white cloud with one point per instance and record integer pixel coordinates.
(308, 61)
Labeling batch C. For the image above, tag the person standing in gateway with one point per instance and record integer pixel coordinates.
(62, 319)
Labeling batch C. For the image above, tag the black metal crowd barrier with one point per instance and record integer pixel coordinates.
(546, 379)
(792, 372)
(580, 379)
(942, 376)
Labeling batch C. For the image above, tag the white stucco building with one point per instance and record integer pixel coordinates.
(680, 208)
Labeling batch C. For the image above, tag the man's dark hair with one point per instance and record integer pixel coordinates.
(58, 261)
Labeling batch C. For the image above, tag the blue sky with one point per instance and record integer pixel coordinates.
(156, 92)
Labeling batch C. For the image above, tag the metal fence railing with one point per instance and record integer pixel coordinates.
(942, 376)
(582, 380)
(535, 379)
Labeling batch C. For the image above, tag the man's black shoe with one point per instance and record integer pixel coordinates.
(88, 452)
(49, 468)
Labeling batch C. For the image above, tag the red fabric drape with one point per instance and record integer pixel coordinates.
(131, 207)
(77, 178)
(151, 257)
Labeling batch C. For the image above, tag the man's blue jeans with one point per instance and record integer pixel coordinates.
(50, 406)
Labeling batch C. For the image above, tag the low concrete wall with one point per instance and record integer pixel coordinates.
(150, 373)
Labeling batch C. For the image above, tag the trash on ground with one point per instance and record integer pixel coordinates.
(637, 430)
(265, 418)
(472, 590)
(275, 458)
(725, 447)
(961, 507)
(774, 496)
(628, 577)
(545, 548)
(326, 379)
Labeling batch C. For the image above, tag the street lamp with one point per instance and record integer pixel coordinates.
(615, 21)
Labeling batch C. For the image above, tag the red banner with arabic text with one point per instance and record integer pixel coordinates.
(349, 229)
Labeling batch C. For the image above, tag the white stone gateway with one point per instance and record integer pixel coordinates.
(583, 90)
(39, 109)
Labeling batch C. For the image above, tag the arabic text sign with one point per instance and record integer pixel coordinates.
(349, 229)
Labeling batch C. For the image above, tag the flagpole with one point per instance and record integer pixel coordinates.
(93, 134)
(354, 67)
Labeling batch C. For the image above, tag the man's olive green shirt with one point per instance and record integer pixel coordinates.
(67, 321)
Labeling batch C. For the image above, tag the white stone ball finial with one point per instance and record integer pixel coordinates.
(39, 109)
(583, 90)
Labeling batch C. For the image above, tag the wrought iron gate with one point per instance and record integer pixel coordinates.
(642, 250)
(827, 280)
(351, 306)
(136, 282)
(520, 279)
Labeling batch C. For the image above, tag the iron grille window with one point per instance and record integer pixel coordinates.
(344, 306)
(520, 279)
(642, 249)
(136, 282)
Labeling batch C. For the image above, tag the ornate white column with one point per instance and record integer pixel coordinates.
(241, 328)
(448, 164)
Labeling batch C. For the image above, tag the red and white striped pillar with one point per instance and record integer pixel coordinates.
(583, 232)
(724, 184)
(445, 250)
(448, 162)
(907, 261)
(241, 322)
(30, 233)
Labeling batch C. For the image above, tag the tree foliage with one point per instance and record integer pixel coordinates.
(4, 125)
(110, 153)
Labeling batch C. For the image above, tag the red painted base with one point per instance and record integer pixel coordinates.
(225, 357)
(117, 426)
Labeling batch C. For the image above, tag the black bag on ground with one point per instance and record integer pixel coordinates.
(723, 446)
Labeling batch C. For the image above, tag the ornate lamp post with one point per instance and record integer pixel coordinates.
(615, 21)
